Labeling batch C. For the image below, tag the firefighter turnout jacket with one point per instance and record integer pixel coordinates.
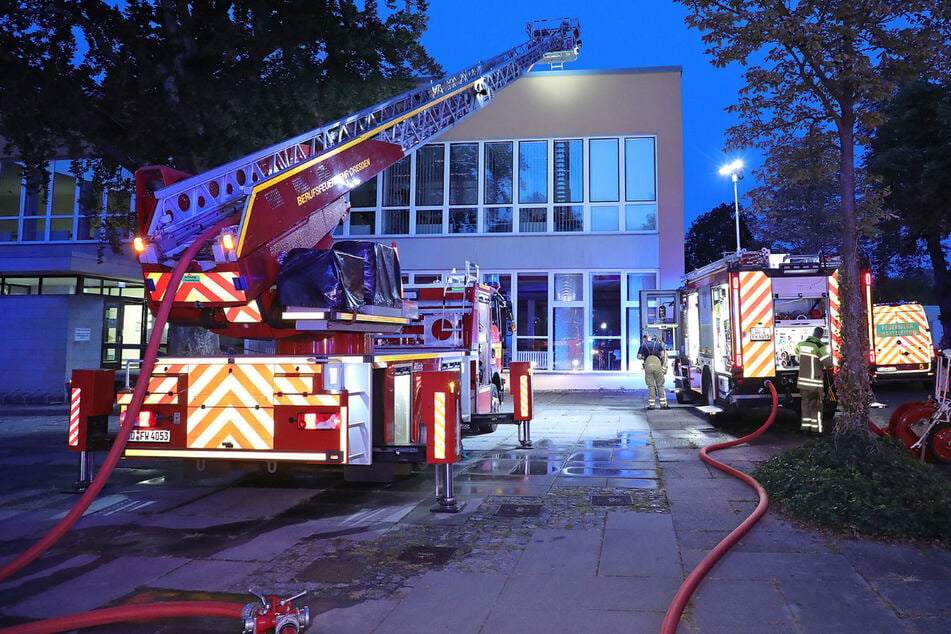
(813, 357)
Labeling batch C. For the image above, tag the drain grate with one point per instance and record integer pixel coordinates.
(519, 510)
(432, 555)
(612, 500)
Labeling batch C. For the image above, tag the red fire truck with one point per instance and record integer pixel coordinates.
(362, 376)
(735, 323)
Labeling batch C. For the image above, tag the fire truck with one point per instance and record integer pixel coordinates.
(362, 376)
(902, 345)
(736, 322)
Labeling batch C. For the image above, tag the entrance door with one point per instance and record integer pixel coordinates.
(122, 334)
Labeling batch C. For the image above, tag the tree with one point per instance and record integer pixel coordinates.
(795, 209)
(713, 234)
(190, 83)
(194, 83)
(911, 151)
(819, 65)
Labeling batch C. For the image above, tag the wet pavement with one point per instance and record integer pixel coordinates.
(593, 529)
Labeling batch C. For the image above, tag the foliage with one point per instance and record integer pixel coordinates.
(858, 483)
(911, 152)
(914, 285)
(817, 66)
(712, 234)
(193, 83)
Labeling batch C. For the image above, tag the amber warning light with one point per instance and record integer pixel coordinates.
(138, 244)
(227, 242)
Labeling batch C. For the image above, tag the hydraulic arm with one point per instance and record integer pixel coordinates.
(294, 194)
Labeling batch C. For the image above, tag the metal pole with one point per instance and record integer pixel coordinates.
(736, 204)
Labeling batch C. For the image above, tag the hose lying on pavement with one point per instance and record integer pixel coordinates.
(142, 611)
(124, 613)
(687, 588)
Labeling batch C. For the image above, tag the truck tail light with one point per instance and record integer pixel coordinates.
(146, 419)
(317, 420)
(738, 361)
(871, 356)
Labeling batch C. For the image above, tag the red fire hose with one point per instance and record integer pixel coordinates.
(676, 609)
(132, 612)
(123, 613)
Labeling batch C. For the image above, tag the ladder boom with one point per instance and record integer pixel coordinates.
(408, 121)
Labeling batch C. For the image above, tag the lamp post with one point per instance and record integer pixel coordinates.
(733, 170)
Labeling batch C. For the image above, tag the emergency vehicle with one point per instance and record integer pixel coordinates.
(736, 322)
(362, 375)
(902, 347)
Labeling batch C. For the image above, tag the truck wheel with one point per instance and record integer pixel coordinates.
(939, 442)
(494, 408)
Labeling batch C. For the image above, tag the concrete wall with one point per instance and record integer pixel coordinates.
(39, 348)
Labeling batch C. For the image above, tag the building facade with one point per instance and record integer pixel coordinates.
(566, 191)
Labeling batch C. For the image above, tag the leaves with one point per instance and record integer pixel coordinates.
(194, 83)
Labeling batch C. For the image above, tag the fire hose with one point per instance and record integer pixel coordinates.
(687, 588)
(277, 615)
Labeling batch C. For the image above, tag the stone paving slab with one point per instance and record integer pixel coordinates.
(847, 605)
(97, 588)
(427, 607)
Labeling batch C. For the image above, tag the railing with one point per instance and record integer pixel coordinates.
(540, 359)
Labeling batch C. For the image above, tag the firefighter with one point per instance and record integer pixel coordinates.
(814, 357)
(654, 355)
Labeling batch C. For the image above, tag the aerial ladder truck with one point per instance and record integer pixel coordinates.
(251, 236)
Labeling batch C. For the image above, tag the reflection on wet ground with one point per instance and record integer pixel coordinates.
(625, 459)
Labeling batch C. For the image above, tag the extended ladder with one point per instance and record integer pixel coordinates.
(409, 121)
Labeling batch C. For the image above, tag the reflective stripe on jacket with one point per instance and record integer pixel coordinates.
(813, 357)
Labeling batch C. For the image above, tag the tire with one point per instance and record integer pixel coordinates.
(939, 442)
(903, 427)
(494, 408)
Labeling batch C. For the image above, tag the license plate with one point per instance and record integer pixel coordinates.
(759, 333)
(150, 435)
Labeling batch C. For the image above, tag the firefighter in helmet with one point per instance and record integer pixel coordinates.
(654, 354)
(814, 357)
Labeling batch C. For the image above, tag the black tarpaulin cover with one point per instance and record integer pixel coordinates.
(321, 278)
(381, 273)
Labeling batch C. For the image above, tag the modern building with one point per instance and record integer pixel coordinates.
(567, 191)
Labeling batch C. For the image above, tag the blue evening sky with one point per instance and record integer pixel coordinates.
(615, 34)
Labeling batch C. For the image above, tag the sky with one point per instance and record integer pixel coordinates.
(615, 34)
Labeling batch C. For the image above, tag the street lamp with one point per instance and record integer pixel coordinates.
(733, 170)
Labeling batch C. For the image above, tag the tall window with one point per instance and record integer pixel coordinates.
(464, 174)
(430, 165)
(604, 170)
(533, 172)
(568, 171)
(498, 173)
(639, 179)
(532, 317)
(396, 184)
(11, 178)
(606, 321)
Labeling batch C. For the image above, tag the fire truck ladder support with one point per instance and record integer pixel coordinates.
(408, 120)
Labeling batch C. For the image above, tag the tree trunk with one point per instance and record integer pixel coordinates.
(185, 341)
(852, 381)
(942, 283)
